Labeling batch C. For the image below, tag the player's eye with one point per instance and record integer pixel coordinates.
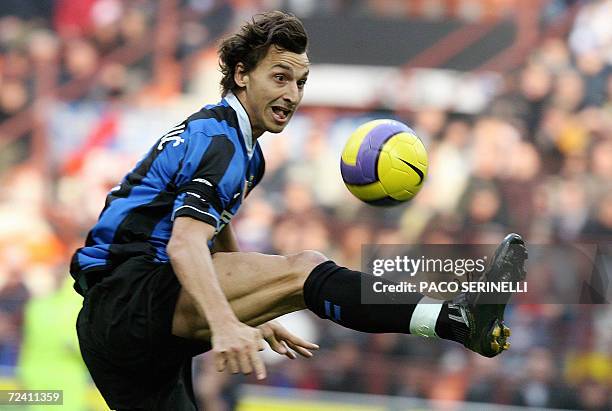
(301, 84)
(279, 77)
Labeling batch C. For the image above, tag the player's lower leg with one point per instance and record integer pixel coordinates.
(334, 292)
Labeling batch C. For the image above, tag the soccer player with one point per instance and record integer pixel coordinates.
(163, 278)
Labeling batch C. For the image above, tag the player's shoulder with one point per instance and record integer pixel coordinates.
(213, 120)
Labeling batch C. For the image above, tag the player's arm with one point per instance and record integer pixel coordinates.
(277, 337)
(235, 344)
(226, 240)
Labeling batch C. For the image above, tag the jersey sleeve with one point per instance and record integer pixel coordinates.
(199, 192)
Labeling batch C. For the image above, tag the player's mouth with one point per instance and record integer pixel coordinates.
(281, 114)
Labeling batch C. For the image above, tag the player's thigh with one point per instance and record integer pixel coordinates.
(258, 287)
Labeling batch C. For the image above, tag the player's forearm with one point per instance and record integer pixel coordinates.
(194, 269)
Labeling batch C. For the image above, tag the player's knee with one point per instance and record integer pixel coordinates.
(304, 262)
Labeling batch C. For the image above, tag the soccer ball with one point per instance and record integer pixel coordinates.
(384, 163)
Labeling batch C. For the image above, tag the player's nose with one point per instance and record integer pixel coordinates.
(292, 93)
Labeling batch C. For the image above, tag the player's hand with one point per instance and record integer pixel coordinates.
(280, 340)
(235, 346)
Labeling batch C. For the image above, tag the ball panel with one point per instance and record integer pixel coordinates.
(367, 163)
(403, 195)
(351, 174)
(384, 164)
(402, 138)
(421, 154)
(355, 141)
(413, 175)
(395, 180)
(404, 157)
(368, 192)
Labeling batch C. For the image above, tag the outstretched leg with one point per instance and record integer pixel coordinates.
(262, 287)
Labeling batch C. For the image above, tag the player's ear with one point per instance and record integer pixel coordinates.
(241, 77)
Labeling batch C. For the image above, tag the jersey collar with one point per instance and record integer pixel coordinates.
(243, 121)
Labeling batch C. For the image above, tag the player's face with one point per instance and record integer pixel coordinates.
(272, 91)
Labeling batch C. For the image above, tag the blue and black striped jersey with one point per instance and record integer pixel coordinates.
(202, 168)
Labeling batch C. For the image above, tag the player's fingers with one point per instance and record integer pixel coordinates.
(289, 353)
(258, 365)
(260, 341)
(245, 363)
(232, 363)
(276, 345)
(285, 336)
(300, 350)
(220, 361)
(300, 341)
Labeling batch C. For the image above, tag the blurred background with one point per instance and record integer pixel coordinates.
(512, 98)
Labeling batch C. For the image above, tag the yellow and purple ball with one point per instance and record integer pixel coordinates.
(384, 163)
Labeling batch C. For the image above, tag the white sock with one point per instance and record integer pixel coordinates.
(425, 316)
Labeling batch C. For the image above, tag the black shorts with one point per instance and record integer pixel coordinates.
(125, 335)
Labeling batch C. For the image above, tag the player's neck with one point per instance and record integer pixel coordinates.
(256, 132)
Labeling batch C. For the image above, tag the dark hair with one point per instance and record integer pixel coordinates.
(251, 43)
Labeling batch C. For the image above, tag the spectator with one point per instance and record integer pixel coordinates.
(541, 388)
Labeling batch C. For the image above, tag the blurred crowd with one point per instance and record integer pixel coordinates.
(538, 162)
(84, 50)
